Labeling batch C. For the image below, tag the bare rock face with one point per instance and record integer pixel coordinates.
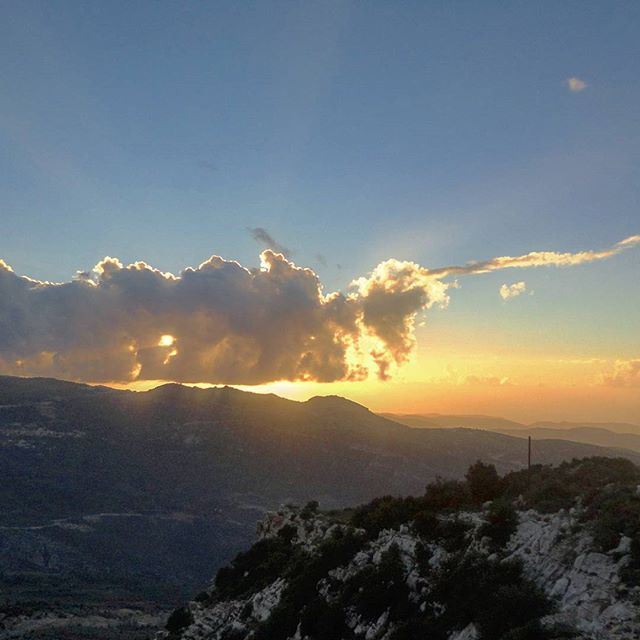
(558, 555)
(556, 552)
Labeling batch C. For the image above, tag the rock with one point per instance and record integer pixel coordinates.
(468, 633)
(623, 548)
(556, 552)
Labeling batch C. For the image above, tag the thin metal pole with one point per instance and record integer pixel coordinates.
(529, 464)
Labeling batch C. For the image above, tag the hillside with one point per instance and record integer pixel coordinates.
(547, 556)
(132, 499)
(431, 420)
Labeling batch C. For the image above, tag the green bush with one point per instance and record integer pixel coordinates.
(309, 510)
(549, 489)
(253, 570)
(495, 596)
(302, 573)
(613, 512)
(448, 531)
(179, 620)
(377, 588)
(425, 524)
(386, 512)
(483, 482)
(501, 523)
(446, 495)
(452, 533)
(323, 621)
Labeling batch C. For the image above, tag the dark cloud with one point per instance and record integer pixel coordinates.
(266, 240)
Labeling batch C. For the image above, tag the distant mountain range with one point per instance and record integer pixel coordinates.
(495, 423)
(119, 496)
(617, 435)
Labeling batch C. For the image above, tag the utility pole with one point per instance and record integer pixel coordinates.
(529, 464)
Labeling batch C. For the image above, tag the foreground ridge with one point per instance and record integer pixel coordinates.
(499, 570)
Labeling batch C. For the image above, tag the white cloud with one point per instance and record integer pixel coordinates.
(576, 84)
(538, 259)
(512, 290)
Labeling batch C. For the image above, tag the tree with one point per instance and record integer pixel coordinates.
(483, 481)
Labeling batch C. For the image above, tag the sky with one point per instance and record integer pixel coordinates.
(371, 143)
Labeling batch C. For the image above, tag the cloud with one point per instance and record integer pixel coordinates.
(221, 322)
(488, 381)
(538, 259)
(625, 373)
(576, 84)
(508, 291)
(265, 239)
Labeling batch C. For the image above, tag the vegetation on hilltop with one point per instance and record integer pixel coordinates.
(469, 586)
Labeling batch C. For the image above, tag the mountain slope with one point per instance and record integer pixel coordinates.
(430, 420)
(441, 569)
(127, 497)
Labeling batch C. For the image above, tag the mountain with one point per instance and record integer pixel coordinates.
(591, 435)
(431, 420)
(495, 423)
(616, 427)
(131, 499)
(441, 566)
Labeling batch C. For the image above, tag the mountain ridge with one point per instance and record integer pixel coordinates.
(168, 484)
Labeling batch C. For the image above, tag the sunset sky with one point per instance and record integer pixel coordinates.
(385, 147)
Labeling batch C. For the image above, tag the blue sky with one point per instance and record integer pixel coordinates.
(439, 131)
(434, 132)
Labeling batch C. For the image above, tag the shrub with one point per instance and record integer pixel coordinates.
(323, 621)
(452, 533)
(418, 628)
(309, 510)
(255, 569)
(493, 595)
(287, 533)
(501, 523)
(631, 572)
(425, 524)
(613, 512)
(375, 589)
(444, 495)
(303, 572)
(385, 513)
(179, 620)
(549, 489)
(483, 482)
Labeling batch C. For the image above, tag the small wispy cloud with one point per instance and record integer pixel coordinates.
(538, 259)
(625, 373)
(508, 291)
(266, 240)
(576, 84)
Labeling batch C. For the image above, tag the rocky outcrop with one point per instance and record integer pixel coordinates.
(556, 551)
(558, 555)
